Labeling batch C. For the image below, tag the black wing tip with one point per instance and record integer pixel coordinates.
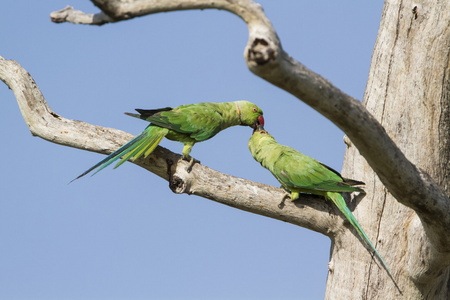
(360, 190)
(353, 182)
(138, 116)
(150, 112)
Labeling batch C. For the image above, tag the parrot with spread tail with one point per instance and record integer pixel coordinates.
(299, 173)
(187, 124)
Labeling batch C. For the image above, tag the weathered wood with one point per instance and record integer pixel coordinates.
(408, 93)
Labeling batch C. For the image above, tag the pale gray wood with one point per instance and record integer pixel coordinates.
(408, 93)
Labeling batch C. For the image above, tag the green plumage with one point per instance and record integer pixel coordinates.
(299, 173)
(187, 124)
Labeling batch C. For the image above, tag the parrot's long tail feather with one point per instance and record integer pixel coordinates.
(143, 143)
(339, 201)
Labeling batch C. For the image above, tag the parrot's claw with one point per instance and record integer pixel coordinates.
(191, 161)
(281, 205)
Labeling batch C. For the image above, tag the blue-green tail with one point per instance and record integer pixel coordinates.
(340, 203)
(144, 143)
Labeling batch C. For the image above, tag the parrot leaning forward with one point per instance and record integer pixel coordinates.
(299, 173)
(187, 124)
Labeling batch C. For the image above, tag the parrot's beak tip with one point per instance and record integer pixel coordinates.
(258, 123)
(258, 128)
(260, 120)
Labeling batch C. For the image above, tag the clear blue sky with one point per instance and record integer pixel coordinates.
(123, 234)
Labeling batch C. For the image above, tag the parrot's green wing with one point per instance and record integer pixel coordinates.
(200, 121)
(296, 170)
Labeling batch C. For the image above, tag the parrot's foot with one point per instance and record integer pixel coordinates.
(281, 205)
(191, 161)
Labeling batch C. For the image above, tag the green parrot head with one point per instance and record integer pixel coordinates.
(250, 114)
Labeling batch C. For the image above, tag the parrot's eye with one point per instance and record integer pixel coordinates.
(254, 109)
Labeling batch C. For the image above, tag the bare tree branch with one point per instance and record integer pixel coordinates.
(310, 212)
(266, 59)
(71, 15)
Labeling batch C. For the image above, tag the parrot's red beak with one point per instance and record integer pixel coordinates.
(260, 121)
(259, 124)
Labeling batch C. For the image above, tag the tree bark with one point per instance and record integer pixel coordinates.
(408, 93)
(397, 143)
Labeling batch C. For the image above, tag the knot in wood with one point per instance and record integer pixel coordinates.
(178, 185)
(260, 52)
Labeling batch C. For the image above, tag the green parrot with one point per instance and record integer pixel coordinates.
(187, 124)
(299, 173)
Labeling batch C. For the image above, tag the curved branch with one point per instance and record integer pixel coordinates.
(266, 59)
(310, 212)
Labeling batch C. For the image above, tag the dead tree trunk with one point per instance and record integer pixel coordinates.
(408, 93)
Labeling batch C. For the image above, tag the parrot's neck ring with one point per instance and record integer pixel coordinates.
(239, 112)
